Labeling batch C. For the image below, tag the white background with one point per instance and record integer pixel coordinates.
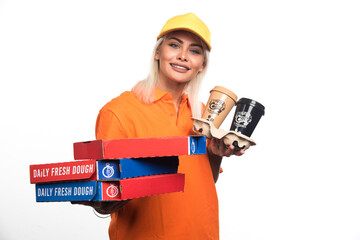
(61, 61)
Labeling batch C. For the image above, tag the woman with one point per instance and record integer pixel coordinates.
(162, 105)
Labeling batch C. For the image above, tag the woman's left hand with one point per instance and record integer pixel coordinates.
(218, 148)
(216, 151)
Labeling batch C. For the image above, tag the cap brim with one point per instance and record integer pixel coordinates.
(185, 29)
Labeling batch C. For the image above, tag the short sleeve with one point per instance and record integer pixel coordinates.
(108, 126)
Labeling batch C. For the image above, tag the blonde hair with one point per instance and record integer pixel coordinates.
(145, 89)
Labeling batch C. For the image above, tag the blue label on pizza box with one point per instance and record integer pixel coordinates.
(70, 191)
(197, 145)
(78, 191)
(148, 166)
(109, 170)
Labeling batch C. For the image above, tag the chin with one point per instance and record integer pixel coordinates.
(180, 80)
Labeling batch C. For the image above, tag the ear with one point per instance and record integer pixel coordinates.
(202, 67)
(157, 55)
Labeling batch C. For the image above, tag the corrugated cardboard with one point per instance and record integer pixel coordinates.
(110, 191)
(207, 128)
(102, 170)
(140, 147)
(64, 171)
(137, 167)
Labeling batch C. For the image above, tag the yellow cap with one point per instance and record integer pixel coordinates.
(188, 22)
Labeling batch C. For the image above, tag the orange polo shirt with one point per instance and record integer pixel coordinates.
(189, 215)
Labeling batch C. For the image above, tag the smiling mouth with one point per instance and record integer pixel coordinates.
(179, 67)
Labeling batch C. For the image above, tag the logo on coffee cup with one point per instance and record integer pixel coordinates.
(112, 191)
(242, 119)
(108, 171)
(216, 106)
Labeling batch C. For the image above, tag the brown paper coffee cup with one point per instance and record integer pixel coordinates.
(220, 103)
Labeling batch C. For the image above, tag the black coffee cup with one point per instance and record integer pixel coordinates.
(247, 115)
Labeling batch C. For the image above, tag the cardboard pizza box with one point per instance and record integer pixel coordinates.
(102, 170)
(110, 191)
(140, 147)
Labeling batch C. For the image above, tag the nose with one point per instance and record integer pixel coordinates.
(182, 55)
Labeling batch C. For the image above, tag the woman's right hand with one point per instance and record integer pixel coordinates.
(103, 207)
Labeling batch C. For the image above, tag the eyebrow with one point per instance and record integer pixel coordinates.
(180, 41)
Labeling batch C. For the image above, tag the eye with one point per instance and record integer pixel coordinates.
(173, 45)
(196, 51)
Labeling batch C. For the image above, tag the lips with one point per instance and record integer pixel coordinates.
(179, 67)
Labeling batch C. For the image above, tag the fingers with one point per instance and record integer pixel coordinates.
(87, 203)
(239, 153)
(229, 151)
(217, 147)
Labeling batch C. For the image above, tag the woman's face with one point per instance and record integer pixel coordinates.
(181, 57)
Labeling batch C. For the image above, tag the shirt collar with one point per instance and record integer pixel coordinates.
(160, 94)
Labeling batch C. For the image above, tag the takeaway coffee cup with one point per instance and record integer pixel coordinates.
(247, 115)
(219, 104)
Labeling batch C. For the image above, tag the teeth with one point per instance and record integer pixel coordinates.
(180, 67)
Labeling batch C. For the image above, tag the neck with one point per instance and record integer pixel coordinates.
(176, 90)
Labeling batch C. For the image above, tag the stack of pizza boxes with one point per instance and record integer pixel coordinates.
(115, 170)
